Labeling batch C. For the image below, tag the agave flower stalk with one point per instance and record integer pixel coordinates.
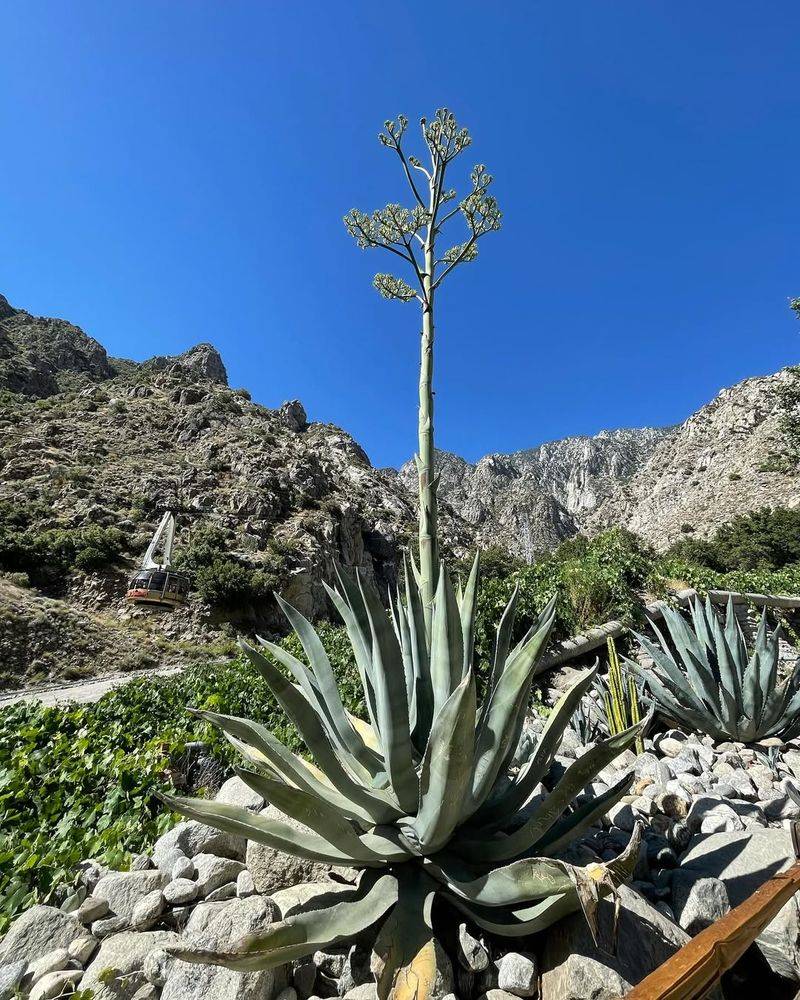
(706, 679)
(412, 235)
(420, 798)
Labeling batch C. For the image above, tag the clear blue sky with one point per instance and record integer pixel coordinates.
(175, 172)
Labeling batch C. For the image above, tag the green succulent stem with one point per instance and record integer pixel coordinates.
(426, 468)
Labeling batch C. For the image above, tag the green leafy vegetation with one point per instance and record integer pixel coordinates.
(78, 781)
(596, 580)
(763, 540)
(46, 555)
(222, 579)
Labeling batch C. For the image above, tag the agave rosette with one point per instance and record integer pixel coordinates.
(421, 797)
(707, 680)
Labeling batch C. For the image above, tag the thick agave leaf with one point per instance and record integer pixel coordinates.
(497, 810)
(502, 644)
(447, 648)
(304, 933)
(588, 885)
(522, 921)
(311, 692)
(573, 824)
(355, 621)
(327, 689)
(310, 810)
(377, 803)
(467, 609)
(404, 953)
(274, 833)
(403, 632)
(577, 776)
(262, 744)
(501, 722)
(511, 885)
(447, 768)
(392, 703)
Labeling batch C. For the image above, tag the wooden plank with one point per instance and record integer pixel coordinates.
(694, 970)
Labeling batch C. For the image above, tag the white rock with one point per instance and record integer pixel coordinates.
(698, 902)
(227, 891)
(186, 981)
(244, 884)
(53, 961)
(55, 984)
(82, 948)
(213, 871)
(125, 953)
(156, 966)
(743, 862)
(190, 838)
(573, 968)
(124, 890)
(38, 931)
(92, 909)
(11, 976)
(620, 815)
(148, 910)
(517, 973)
(273, 870)
(179, 891)
(183, 868)
(236, 792)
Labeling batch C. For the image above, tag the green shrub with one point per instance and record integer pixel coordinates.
(763, 540)
(223, 580)
(77, 781)
(597, 579)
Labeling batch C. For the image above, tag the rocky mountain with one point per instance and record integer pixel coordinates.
(530, 500)
(661, 483)
(87, 440)
(723, 461)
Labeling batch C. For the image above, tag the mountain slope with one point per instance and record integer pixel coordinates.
(528, 501)
(87, 440)
(717, 464)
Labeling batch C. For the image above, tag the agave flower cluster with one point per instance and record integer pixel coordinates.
(421, 797)
(706, 679)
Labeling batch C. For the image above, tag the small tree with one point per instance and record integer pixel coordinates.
(412, 234)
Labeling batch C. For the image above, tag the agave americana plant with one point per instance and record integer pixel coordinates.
(713, 685)
(420, 797)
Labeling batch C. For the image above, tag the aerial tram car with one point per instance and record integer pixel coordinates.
(154, 583)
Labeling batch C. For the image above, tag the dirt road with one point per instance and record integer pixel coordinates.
(80, 692)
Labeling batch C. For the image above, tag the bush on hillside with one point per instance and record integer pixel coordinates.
(222, 579)
(47, 555)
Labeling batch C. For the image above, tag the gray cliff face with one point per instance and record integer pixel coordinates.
(529, 501)
(712, 467)
(661, 483)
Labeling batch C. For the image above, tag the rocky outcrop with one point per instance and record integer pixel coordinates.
(39, 356)
(116, 441)
(662, 483)
(200, 363)
(717, 464)
(531, 500)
